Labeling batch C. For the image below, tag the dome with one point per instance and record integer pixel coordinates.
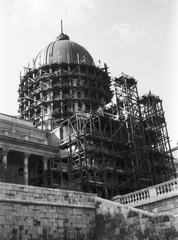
(63, 51)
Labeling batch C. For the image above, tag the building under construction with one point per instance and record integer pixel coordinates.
(110, 141)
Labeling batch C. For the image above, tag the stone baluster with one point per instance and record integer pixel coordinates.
(146, 194)
(134, 198)
(25, 168)
(162, 189)
(175, 185)
(4, 156)
(140, 196)
(172, 186)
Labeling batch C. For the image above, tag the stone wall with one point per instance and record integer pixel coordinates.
(33, 213)
(160, 206)
(116, 221)
(45, 214)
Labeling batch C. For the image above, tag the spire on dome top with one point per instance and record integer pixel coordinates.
(62, 36)
(61, 27)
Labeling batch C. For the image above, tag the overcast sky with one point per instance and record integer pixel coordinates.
(137, 37)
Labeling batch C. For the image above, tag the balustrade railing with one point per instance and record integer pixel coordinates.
(154, 193)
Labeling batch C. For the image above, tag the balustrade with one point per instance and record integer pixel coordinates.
(146, 195)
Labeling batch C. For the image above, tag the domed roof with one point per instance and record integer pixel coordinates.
(63, 51)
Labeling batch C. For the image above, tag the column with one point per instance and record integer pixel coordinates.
(45, 167)
(25, 168)
(4, 158)
(45, 162)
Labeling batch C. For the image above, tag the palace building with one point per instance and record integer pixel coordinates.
(79, 128)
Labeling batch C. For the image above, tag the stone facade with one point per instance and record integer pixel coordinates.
(24, 146)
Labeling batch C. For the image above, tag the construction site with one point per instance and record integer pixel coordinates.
(111, 141)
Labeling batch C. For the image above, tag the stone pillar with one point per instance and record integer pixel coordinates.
(4, 156)
(45, 167)
(45, 162)
(25, 168)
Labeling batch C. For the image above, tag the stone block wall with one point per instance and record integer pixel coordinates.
(33, 213)
(117, 221)
(161, 206)
(168, 204)
(45, 214)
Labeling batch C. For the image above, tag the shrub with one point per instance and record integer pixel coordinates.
(10, 174)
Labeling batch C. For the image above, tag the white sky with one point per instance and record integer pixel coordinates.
(138, 37)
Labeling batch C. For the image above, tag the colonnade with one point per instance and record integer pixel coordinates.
(25, 156)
